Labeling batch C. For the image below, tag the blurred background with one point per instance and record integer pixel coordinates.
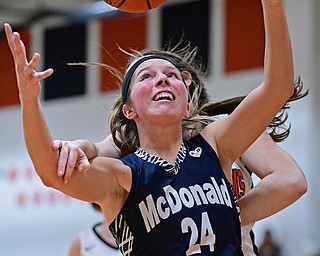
(36, 220)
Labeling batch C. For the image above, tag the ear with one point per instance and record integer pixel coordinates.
(187, 78)
(187, 114)
(129, 112)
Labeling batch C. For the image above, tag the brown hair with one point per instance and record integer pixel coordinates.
(124, 131)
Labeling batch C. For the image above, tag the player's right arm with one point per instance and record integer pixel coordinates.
(108, 181)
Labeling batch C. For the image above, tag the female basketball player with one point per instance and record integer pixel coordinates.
(168, 184)
(264, 158)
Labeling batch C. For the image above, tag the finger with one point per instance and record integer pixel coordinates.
(56, 144)
(9, 36)
(43, 74)
(62, 161)
(71, 163)
(20, 59)
(15, 44)
(19, 47)
(83, 162)
(84, 165)
(32, 64)
(30, 69)
(23, 47)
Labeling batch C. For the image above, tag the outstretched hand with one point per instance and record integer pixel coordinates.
(28, 78)
(70, 157)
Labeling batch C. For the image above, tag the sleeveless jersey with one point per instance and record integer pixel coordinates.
(91, 243)
(183, 209)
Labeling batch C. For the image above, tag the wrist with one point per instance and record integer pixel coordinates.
(25, 101)
(88, 148)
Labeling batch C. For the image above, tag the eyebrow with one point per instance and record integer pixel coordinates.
(132, 69)
(148, 67)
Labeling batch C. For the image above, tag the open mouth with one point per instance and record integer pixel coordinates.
(163, 96)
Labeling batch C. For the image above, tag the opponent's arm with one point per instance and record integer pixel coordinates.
(282, 181)
(76, 154)
(75, 247)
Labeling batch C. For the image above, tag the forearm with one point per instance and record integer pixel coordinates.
(258, 109)
(105, 148)
(108, 148)
(269, 197)
(284, 184)
(282, 180)
(38, 141)
(88, 147)
(279, 70)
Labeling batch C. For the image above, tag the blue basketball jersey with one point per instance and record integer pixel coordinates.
(183, 209)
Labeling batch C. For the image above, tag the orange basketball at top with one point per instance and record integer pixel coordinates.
(135, 5)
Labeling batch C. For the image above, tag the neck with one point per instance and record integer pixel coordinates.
(162, 143)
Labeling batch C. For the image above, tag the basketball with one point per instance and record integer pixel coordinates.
(135, 5)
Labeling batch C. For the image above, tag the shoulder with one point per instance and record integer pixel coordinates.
(115, 169)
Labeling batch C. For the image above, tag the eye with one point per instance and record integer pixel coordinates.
(145, 76)
(173, 75)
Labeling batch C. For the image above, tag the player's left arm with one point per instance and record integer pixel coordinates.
(282, 180)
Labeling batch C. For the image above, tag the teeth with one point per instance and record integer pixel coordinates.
(164, 95)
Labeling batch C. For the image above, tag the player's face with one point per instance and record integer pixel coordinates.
(158, 89)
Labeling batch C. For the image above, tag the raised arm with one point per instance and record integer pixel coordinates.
(90, 186)
(282, 181)
(261, 105)
(29, 90)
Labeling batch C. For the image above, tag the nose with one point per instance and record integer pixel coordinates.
(163, 81)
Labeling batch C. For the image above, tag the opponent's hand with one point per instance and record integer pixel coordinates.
(70, 157)
(28, 78)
